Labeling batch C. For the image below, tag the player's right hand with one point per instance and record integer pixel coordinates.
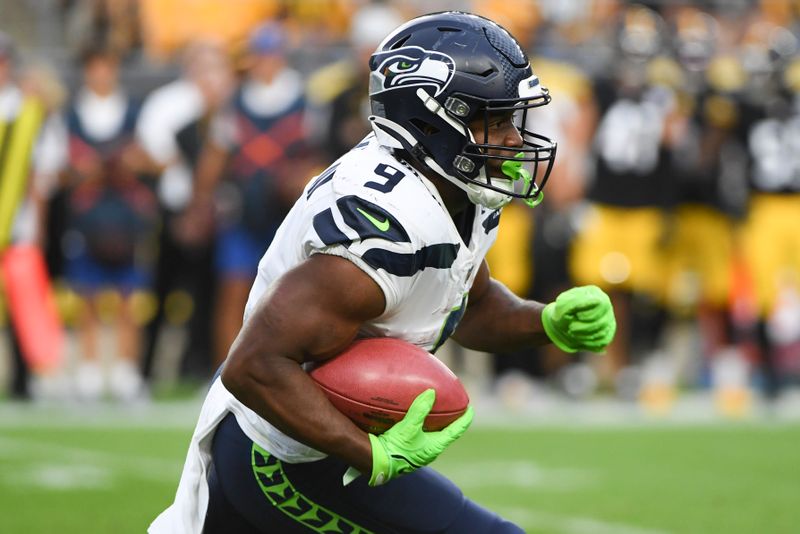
(406, 447)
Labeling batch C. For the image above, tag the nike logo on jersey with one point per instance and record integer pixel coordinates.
(380, 225)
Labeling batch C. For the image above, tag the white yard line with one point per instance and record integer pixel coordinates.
(73, 468)
(524, 474)
(89, 460)
(165, 415)
(561, 524)
(692, 412)
(527, 475)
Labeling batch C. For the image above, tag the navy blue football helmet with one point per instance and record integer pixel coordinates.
(439, 73)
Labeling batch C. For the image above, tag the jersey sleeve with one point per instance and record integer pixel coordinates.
(366, 229)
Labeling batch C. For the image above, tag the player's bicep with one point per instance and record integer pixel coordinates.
(312, 312)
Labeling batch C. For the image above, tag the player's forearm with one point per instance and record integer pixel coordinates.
(501, 321)
(281, 392)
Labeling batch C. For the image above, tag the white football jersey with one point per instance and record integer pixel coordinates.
(378, 212)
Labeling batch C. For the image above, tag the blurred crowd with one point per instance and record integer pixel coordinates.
(175, 136)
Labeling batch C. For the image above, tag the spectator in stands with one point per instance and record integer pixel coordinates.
(111, 217)
(172, 130)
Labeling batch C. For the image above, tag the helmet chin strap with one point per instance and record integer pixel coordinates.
(487, 197)
(482, 196)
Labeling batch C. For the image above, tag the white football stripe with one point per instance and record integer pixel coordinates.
(560, 524)
(150, 468)
(519, 473)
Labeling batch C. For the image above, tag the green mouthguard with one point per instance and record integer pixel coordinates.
(514, 170)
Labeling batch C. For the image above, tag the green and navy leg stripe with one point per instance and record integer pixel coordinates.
(268, 471)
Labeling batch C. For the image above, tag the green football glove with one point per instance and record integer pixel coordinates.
(406, 447)
(581, 318)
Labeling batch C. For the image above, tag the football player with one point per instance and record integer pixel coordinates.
(388, 241)
(619, 240)
(768, 238)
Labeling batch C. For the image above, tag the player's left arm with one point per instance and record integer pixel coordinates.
(496, 320)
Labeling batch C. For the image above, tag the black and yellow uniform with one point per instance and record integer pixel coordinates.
(769, 238)
(619, 244)
(711, 192)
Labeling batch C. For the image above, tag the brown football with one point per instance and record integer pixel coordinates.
(375, 380)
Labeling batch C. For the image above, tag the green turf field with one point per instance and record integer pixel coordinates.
(112, 473)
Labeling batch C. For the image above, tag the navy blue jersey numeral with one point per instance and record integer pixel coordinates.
(392, 175)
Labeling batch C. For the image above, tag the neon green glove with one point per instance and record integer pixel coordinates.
(581, 318)
(406, 447)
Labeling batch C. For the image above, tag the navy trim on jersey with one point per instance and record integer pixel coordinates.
(491, 222)
(451, 323)
(326, 229)
(439, 256)
(324, 178)
(368, 220)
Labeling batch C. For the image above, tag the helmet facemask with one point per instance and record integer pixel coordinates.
(511, 171)
(491, 175)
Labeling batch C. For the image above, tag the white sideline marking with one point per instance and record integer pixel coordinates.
(519, 473)
(558, 524)
(171, 416)
(81, 467)
(61, 477)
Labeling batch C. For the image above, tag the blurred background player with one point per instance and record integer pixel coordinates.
(708, 166)
(620, 241)
(769, 241)
(256, 160)
(173, 129)
(111, 215)
(30, 98)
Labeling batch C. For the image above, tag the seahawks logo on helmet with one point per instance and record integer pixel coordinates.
(410, 66)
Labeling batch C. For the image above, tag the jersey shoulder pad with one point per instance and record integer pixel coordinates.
(371, 193)
(381, 211)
